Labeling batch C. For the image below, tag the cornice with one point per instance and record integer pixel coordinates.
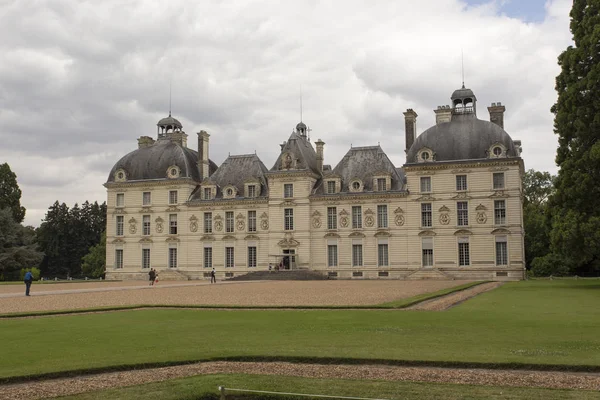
(211, 204)
(341, 197)
(462, 165)
(146, 184)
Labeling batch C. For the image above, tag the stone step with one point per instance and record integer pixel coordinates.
(429, 273)
(171, 275)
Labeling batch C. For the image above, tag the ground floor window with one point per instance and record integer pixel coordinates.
(145, 258)
(357, 255)
(501, 250)
(382, 255)
(464, 258)
(427, 248)
(251, 256)
(208, 257)
(173, 257)
(332, 256)
(229, 257)
(119, 258)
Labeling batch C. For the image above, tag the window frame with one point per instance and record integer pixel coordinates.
(252, 256)
(146, 225)
(208, 218)
(173, 224)
(461, 184)
(357, 255)
(464, 252)
(288, 190)
(332, 255)
(172, 257)
(119, 256)
(331, 187)
(288, 219)
(462, 214)
(426, 215)
(120, 225)
(251, 220)
(229, 222)
(207, 193)
(229, 258)
(500, 212)
(357, 217)
(382, 216)
(425, 184)
(149, 201)
(173, 197)
(331, 218)
(146, 260)
(501, 186)
(501, 240)
(381, 184)
(207, 257)
(120, 200)
(383, 257)
(251, 191)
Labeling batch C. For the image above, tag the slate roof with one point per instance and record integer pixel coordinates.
(153, 161)
(303, 151)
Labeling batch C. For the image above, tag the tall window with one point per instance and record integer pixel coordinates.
(332, 256)
(229, 221)
(357, 255)
(425, 184)
(498, 180)
(207, 222)
(208, 257)
(229, 257)
(426, 216)
(288, 224)
(288, 190)
(499, 212)
(462, 213)
(146, 198)
(251, 256)
(251, 190)
(501, 250)
(146, 225)
(207, 193)
(120, 223)
(461, 182)
(172, 196)
(382, 255)
(330, 186)
(173, 224)
(145, 258)
(427, 248)
(381, 184)
(463, 251)
(382, 216)
(173, 257)
(356, 217)
(251, 221)
(119, 258)
(120, 199)
(331, 218)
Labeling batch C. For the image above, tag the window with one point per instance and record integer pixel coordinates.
(120, 199)
(207, 222)
(425, 184)
(146, 198)
(501, 250)
(427, 246)
(499, 212)
(425, 155)
(119, 258)
(382, 255)
(461, 182)
(145, 258)
(229, 192)
(120, 223)
(356, 185)
(251, 191)
(382, 218)
(288, 190)
(356, 217)
(172, 196)
(173, 257)
(173, 224)
(357, 255)
(426, 215)
(146, 225)
(251, 256)
(229, 221)
(330, 186)
(208, 257)
(462, 213)
(463, 251)
(288, 219)
(332, 256)
(251, 221)
(497, 150)
(207, 193)
(331, 218)
(498, 180)
(381, 184)
(229, 257)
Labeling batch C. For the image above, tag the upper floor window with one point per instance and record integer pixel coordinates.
(288, 190)
(356, 217)
(331, 218)
(425, 184)
(498, 180)
(381, 184)
(382, 216)
(229, 221)
(120, 224)
(499, 212)
(330, 187)
(120, 199)
(207, 222)
(288, 223)
(146, 225)
(426, 217)
(461, 183)
(207, 193)
(462, 213)
(172, 196)
(173, 224)
(251, 190)
(146, 198)
(251, 221)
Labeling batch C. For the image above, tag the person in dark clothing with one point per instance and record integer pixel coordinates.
(213, 277)
(28, 279)
(152, 276)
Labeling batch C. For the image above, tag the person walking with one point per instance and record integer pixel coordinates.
(213, 276)
(28, 279)
(152, 276)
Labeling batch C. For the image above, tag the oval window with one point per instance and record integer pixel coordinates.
(425, 156)
(120, 175)
(355, 185)
(497, 150)
(173, 171)
(229, 192)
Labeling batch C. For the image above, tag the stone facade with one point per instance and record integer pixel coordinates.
(440, 216)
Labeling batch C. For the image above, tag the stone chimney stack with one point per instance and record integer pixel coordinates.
(497, 114)
(145, 141)
(178, 137)
(203, 163)
(410, 127)
(320, 145)
(443, 114)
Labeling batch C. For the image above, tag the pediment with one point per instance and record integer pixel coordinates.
(461, 196)
(288, 242)
(356, 235)
(398, 211)
(427, 232)
(207, 238)
(498, 194)
(145, 240)
(369, 212)
(118, 240)
(288, 203)
(331, 235)
(481, 207)
(444, 209)
(172, 239)
(252, 237)
(343, 212)
(463, 232)
(426, 197)
(500, 231)
(382, 234)
(228, 237)
(316, 213)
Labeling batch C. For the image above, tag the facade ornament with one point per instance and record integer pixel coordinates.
(264, 223)
(461, 196)
(444, 209)
(159, 224)
(316, 222)
(481, 217)
(498, 194)
(193, 224)
(481, 207)
(218, 223)
(316, 213)
(344, 222)
(132, 226)
(444, 219)
(399, 220)
(369, 221)
(241, 224)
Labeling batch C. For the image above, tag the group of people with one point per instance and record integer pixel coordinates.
(153, 277)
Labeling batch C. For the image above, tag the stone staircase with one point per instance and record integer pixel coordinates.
(281, 275)
(171, 275)
(428, 274)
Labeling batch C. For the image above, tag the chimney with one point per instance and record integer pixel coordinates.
(179, 137)
(145, 141)
(410, 127)
(203, 163)
(443, 114)
(320, 145)
(497, 114)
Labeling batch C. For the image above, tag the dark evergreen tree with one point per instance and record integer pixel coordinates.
(537, 188)
(10, 194)
(18, 248)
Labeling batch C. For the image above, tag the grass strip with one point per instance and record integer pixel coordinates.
(403, 303)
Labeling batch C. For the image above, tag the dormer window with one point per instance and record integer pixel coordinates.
(497, 150)
(330, 187)
(120, 175)
(356, 185)
(381, 185)
(425, 155)
(173, 172)
(251, 190)
(229, 192)
(207, 194)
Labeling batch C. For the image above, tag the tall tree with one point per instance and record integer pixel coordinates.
(575, 236)
(94, 262)
(17, 247)
(10, 194)
(537, 188)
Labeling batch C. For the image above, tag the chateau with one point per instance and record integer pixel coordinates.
(452, 211)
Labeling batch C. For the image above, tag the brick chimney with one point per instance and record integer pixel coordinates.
(145, 141)
(443, 114)
(320, 145)
(410, 127)
(203, 163)
(497, 114)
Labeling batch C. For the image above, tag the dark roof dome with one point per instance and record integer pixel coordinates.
(462, 93)
(463, 138)
(301, 125)
(169, 122)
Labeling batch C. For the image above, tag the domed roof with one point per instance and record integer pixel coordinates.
(462, 93)
(463, 138)
(301, 125)
(152, 162)
(169, 121)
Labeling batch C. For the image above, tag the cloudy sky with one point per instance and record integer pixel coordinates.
(80, 81)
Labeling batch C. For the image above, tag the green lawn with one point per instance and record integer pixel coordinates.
(533, 322)
(205, 387)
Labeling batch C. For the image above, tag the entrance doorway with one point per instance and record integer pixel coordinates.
(289, 259)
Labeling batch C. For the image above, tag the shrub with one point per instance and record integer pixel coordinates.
(550, 264)
(34, 271)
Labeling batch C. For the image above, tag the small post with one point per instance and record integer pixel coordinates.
(222, 390)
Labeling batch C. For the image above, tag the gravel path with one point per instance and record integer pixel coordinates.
(69, 386)
(452, 299)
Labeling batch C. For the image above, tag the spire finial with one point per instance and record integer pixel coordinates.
(170, 87)
(462, 59)
(300, 103)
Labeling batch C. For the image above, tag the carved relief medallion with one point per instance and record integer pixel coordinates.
(444, 219)
(241, 225)
(344, 222)
(264, 223)
(159, 224)
(481, 217)
(193, 224)
(399, 220)
(316, 223)
(132, 226)
(218, 226)
(369, 220)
